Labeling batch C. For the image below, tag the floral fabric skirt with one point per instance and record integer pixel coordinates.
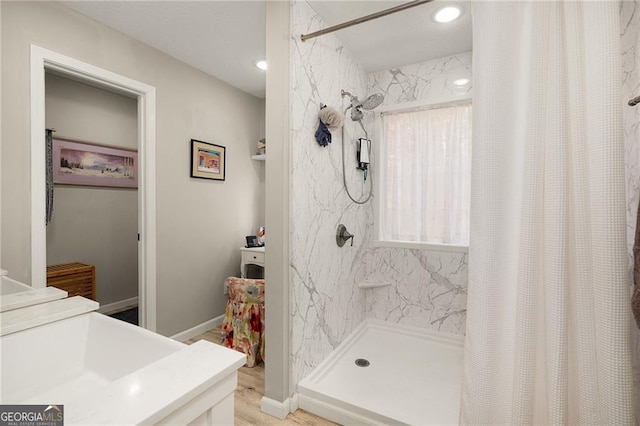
(243, 326)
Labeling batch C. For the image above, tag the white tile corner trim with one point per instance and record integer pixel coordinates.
(198, 329)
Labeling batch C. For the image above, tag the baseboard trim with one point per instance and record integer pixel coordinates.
(293, 403)
(278, 409)
(118, 306)
(198, 329)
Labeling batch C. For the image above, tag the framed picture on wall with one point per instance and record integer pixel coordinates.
(207, 160)
(85, 163)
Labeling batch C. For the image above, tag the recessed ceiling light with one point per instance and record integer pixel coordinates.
(262, 64)
(447, 14)
(461, 82)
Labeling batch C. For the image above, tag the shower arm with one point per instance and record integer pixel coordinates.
(635, 101)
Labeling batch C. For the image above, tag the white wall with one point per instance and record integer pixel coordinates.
(200, 224)
(95, 225)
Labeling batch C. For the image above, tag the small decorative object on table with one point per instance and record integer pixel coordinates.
(252, 241)
(262, 147)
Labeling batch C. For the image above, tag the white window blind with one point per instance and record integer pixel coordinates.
(425, 176)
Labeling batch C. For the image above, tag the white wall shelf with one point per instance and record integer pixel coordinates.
(259, 157)
(372, 284)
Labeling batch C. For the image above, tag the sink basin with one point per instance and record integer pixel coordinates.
(10, 286)
(65, 359)
(105, 371)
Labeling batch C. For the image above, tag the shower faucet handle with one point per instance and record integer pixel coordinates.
(348, 236)
(342, 235)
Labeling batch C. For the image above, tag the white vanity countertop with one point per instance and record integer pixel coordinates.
(105, 371)
(35, 296)
(144, 396)
(36, 315)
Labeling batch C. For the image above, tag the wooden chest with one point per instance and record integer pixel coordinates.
(77, 279)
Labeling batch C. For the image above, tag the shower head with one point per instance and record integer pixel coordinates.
(357, 105)
(373, 101)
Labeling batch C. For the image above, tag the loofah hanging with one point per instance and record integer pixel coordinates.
(332, 118)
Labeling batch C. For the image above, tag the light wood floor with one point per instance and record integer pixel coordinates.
(250, 391)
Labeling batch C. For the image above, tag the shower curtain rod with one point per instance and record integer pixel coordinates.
(635, 101)
(305, 37)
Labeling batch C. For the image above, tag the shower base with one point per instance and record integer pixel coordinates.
(413, 377)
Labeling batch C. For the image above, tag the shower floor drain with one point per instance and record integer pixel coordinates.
(361, 362)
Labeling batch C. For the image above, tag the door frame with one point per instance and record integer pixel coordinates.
(43, 60)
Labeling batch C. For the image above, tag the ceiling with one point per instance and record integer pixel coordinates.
(402, 38)
(225, 38)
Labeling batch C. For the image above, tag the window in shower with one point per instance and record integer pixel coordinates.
(425, 176)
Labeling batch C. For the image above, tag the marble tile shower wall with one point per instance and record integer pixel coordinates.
(326, 305)
(428, 288)
(630, 45)
(429, 81)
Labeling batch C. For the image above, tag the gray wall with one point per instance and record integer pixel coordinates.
(276, 385)
(200, 224)
(95, 225)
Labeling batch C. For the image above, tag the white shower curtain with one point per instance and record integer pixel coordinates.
(548, 306)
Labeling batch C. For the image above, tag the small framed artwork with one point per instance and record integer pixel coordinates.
(89, 164)
(207, 160)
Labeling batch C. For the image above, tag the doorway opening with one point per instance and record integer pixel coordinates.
(92, 244)
(44, 61)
